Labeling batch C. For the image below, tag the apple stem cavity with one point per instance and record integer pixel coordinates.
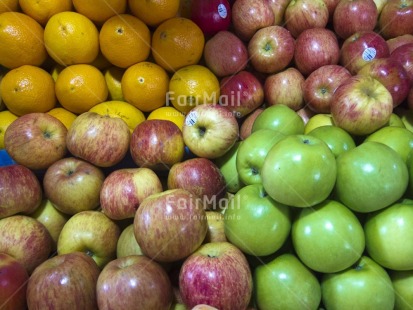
(202, 131)
(89, 253)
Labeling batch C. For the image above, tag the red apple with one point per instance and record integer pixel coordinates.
(305, 113)
(211, 15)
(218, 275)
(285, 87)
(225, 54)
(278, 8)
(250, 15)
(331, 6)
(404, 55)
(171, 225)
(64, 282)
(320, 86)
(99, 139)
(396, 18)
(241, 93)
(352, 16)
(314, 48)
(246, 125)
(13, 283)
(157, 144)
(395, 42)
(36, 140)
(361, 48)
(20, 190)
(271, 49)
(305, 14)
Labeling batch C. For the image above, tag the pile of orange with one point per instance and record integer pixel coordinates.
(119, 57)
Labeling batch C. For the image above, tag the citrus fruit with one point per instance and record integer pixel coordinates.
(80, 87)
(63, 115)
(113, 77)
(154, 12)
(28, 89)
(71, 38)
(125, 40)
(169, 114)
(145, 86)
(6, 118)
(191, 86)
(99, 11)
(42, 10)
(177, 42)
(130, 114)
(21, 40)
(9, 6)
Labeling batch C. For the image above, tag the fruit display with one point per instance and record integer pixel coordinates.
(206, 154)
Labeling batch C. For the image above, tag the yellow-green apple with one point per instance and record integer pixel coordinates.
(20, 190)
(336, 138)
(134, 280)
(157, 144)
(391, 74)
(396, 18)
(203, 307)
(396, 121)
(123, 190)
(51, 218)
(250, 15)
(318, 120)
(64, 282)
(211, 16)
(225, 54)
(351, 16)
(370, 177)
(127, 244)
(79, 186)
(365, 285)
(271, 49)
(320, 85)
(305, 14)
(246, 124)
(202, 178)
(286, 88)
(328, 237)
(241, 93)
(361, 105)
(404, 55)
(90, 232)
(210, 130)
(268, 221)
(252, 152)
(403, 288)
(388, 233)
(314, 48)
(278, 8)
(286, 283)
(299, 171)
(380, 4)
(13, 283)
(25, 239)
(171, 225)
(99, 139)
(218, 275)
(36, 140)
(406, 116)
(395, 42)
(281, 118)
(216, 232)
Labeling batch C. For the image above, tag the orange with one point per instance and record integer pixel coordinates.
(21, 40)
(191, 86)
(9, 6)
(63, 115)
(99, 11)
(176, 43)
(80, 87)
(125, 40)
(71, 38)
(113, 78)
(169, 114)
(28, 89)
(130, 114)
(145, 86)
(42, 10)
(154, 12)
(6, 118)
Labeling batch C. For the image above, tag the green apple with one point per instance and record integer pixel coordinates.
(396, 121)
(409, 190)
(399, 139)
(328, 237)
(252, 152)
(281, 118)
(389, 236)
(406, 115)
(268, 223)
(403, 288)
(127, 244)
(337, 139)
(299, 171)
(370, 177)
(318, 120)
(366, 285)
(286, 283)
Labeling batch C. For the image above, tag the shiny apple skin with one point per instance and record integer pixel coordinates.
(404, 55)
(395, 42)
(211, 16)
(396, 18)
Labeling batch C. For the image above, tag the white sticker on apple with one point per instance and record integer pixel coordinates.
(369, 54)
(191, 118)
(222, 10)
